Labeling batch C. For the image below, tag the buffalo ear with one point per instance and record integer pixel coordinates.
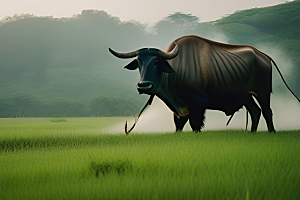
(133, 65)
(165, 66)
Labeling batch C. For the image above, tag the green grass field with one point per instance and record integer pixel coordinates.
(70, 158)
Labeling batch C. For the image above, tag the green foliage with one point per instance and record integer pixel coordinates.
(240, 32)
(74, 160)
(58, 120)
(109, 106)
(102, 168)
(278, 21)
(269, 19)
(176, 23)
(25, 105)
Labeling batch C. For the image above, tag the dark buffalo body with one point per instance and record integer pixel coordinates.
(222, 73)
(196, 74)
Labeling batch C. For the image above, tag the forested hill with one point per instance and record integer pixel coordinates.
(62, 67)
(278, 24)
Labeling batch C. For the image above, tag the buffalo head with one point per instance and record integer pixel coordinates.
(151, 64)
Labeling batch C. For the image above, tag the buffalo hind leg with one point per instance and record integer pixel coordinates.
(197, 120)
(264, 102)
(254, 111)
(180, 122)
(268, 115)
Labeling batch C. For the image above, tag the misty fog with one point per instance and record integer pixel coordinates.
(159, 118)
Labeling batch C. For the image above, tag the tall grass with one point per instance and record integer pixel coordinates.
(40, 159)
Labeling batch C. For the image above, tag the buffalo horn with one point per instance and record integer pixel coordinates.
(169, 55)
(124, 55)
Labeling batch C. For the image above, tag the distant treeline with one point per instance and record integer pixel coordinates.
(102, 106)
(62, 67)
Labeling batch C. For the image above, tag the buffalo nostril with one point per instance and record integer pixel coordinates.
(144, 85)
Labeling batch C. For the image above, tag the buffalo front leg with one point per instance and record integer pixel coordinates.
(180, 122)
(254, 111)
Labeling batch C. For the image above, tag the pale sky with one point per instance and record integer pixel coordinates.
(140, 10)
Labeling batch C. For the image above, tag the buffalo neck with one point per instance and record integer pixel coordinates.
(168, 94)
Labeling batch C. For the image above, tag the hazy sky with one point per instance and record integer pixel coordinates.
(140, 10)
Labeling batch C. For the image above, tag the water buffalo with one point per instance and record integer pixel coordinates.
(196, 74)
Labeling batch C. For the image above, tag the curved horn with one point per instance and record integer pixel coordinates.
(124, 55)
(169, 55)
